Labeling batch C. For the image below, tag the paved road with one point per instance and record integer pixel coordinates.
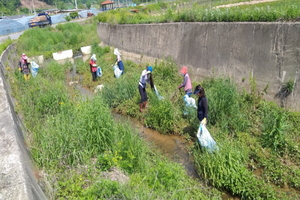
(15, 36)
(56, 19)
(12, 36)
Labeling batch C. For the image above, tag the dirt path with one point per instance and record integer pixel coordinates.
(244, 3)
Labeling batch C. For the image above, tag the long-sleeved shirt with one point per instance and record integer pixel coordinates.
(144, 79)
(187, 84)
(202, 109)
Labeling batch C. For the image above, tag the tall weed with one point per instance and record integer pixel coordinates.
(160, 116)
(227, 169)
(225, 107)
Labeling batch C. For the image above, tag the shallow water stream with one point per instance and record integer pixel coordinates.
(172, 146)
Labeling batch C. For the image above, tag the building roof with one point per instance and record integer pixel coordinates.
(107, 2)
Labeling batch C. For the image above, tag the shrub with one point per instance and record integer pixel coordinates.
(74, 15)
(68, 18)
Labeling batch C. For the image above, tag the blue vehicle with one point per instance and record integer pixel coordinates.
(43, 19)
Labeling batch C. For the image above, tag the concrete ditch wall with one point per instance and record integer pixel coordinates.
(16, 171)
(269, 52)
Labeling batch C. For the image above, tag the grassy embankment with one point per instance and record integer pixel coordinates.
(4, 45)
(204, 11)
(258, 141)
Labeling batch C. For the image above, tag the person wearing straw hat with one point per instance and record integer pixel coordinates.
(146, 77)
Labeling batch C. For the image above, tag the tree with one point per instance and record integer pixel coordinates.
(61, 5)
(88, 5)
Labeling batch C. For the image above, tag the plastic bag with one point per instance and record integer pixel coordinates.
(34, 68)
(205, 139)
(99, 72)
(117, 71)
(157, 94)
(189, 101)
(190, 104)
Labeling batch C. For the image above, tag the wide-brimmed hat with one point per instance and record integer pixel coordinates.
(117, 52)
(184, 70)
(94, 57)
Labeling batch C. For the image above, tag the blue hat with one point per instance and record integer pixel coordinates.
(149, 69)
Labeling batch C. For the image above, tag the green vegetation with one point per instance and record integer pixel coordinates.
(49, 40)
(13, 7)
(4, 45)
(74, 139)
(204, 11)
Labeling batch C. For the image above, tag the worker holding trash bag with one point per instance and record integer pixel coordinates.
(204, 137)
(146, 77)
(119, 61)
(202, 105)
(187, 83)
(93, 67)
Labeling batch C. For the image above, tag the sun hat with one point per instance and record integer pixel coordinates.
(184, 70)
(94, 57)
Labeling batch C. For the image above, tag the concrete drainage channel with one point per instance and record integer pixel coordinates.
(16, 172)
(17, 179)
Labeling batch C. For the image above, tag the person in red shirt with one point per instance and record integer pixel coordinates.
(23, 62)
(93, 66)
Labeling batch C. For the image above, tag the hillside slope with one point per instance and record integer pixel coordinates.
(30, 4)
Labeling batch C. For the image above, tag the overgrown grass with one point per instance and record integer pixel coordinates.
(78, 139)
(49, 40)
(205, 11)
(4, 45)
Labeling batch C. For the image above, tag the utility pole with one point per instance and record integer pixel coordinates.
(76, 5)
(33, 7)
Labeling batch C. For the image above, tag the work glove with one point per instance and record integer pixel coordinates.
(204, 121)
(179, 87)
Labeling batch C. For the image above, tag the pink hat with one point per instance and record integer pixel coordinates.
(24, 57)
(184, 70)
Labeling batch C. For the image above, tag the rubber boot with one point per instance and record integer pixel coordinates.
(141, 107)
(145, 105)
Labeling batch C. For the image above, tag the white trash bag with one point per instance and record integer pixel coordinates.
(157, 93)
(189, 101)
(34, 68)
(117, 71)
(205, 139)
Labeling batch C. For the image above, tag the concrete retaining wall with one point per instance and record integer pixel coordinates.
(269, 52)
(16, 172)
